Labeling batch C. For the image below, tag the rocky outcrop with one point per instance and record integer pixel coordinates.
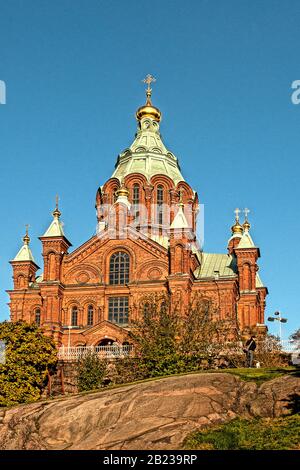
(150, 415)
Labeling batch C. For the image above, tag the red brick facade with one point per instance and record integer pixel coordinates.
(84, 286)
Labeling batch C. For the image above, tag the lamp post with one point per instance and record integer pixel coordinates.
(280, 319)
(69, 338)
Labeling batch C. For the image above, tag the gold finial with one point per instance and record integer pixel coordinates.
(122, 191)
(26, 238)
(56, 213)
(180, 203)
(237, 228)
(246, 224)
(148, 110)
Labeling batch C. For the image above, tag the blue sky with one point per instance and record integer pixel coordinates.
(224, 71)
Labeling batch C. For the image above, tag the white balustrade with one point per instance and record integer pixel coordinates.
(74, 353)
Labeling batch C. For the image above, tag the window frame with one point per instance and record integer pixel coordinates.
(90, 315)
(74, 310)
(119, 268)
(37, 316)
(115, 306)
(160, 203)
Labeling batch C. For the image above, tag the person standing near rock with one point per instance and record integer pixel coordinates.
(250, 347)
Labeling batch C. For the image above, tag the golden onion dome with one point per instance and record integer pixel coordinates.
(122, 192)
(148, 110)
(246, 225)
(237, 228)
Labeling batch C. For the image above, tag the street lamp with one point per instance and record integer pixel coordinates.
(69, 336)
(279, 318)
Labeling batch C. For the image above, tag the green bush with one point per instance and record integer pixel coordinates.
(167, 342)
(91, 371)
(29, 354)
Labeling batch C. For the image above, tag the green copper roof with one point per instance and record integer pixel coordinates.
(220, 265)
(24, 254)
(179, 220)
(213, 265)
(246, 241)
(55, 229)
(258, 281)
(148, 155)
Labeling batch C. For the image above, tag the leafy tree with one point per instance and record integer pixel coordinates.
(29, 354)
(168, 341)
(203, 333)
(155, 335)
(91, 371)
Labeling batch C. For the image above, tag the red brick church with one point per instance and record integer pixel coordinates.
(145, 243)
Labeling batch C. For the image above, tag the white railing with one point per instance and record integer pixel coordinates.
(290, 346)
(268, 345)
(74, 353)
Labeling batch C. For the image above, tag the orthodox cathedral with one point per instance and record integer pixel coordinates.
(145, 243)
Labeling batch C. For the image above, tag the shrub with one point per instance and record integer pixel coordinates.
(29, 354)
(91, 371)
(167, 342)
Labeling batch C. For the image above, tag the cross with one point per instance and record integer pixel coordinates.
(246, 212)
(27, 227)
(149, 79)
(237, 211)
(56, 200)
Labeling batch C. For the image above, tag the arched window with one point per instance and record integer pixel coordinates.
(119, 268)
(21, 282)
(37, 316)
(136, 198)
(52, 267)
(247, 276)
(74, 316)
(90, 315)
(160, 201)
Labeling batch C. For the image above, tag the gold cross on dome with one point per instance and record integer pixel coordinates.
(56, 201)
(149, 79)
(246, 212)
(27, 227)
(237, 211)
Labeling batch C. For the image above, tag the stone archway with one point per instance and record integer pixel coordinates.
(106, 342)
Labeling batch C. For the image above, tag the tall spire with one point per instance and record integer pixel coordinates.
(237, 228)
(147, 154)
(246, 240)
(56, 213)
(25, 253)
(56, 228)
(26, 238)
(246, 224)
(149, 79)
(148, 110)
